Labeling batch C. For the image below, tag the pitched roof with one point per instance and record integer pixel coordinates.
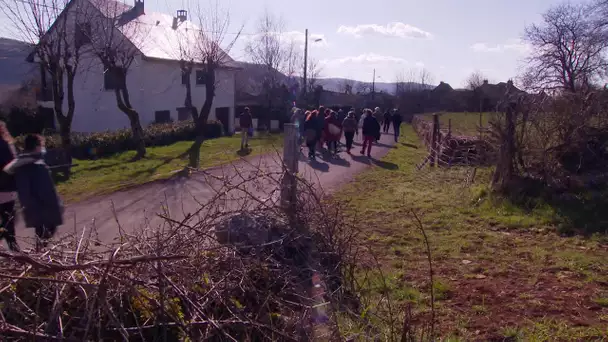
(153, 34)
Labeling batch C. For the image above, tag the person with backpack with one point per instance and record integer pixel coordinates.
(8, 188)
(246, 123)
(349, 126)
(371, 132)
(42, 208)
(332, 132)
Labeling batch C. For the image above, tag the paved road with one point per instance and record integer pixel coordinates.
(138, 207)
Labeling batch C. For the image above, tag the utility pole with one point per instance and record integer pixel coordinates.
(305, 60)
(374, 84)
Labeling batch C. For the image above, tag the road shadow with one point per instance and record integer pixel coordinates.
(384, 164)
(339, 161)
(319, 166)
(377, 143)
(362, 159)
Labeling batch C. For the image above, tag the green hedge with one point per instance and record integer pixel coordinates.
(95, 145)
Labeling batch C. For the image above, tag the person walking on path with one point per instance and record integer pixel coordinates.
(397, 119)
(349, 125)
(378, 116)
(371, 133)
(8, 189)
(42, 208)
(320, 120)
(311, 133)
(386, 123)
(332, 132)
(246, 123)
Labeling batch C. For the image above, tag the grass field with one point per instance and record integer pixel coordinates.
(501, 273)
(463, 123)
(106, 175)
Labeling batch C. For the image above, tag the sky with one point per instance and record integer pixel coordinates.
(449, 38)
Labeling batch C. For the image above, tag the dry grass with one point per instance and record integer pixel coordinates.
(501, 272)
(463, 123)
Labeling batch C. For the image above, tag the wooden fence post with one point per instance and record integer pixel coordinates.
(291, 153)
(434, 139)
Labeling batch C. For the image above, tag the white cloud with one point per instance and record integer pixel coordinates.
(511, 45)
(298, 37)
(396, 29)
(366, 58)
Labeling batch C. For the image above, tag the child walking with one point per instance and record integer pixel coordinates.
(42, 208)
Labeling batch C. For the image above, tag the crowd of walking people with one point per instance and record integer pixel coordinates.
(326, 126)
(26, 177)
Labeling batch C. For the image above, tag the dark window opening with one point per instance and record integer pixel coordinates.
(183, 114)
(82, 34)
(112, 78)
(201, 77)
(162, 116)
(185, 77)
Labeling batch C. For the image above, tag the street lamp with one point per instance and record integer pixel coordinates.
(306, 57)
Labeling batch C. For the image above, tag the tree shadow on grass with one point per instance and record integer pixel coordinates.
(409, 145)
(244, 152)
(384, 164)
(582, 212)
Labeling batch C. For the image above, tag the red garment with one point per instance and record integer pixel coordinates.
(331, 120)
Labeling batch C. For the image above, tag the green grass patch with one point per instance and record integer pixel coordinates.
(482, 248)
(463, 123)
(106, 175)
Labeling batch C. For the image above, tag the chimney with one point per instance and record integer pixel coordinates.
(182, 15)
(138, 8)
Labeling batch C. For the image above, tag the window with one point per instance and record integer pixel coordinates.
(82, 35)
(185, 77)
(162, 116)
(183, 114)
(201, 76)
(112, 77)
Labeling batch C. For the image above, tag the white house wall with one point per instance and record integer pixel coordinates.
(153, 86)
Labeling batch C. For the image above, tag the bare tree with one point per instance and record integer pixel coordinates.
(426, 78)
(314, 71)
(58, 51)
(363, 88)
(114, 40)
(409, 81)
(346, 86)
(211, 50)
(568, 50)
(474, 83)
(272, 50)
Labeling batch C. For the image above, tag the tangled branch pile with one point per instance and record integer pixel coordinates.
(560, 141)
(240, 268)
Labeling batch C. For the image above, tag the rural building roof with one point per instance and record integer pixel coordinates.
(155, 35)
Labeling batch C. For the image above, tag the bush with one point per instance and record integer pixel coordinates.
(95, 145)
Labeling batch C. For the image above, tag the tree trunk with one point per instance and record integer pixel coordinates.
(201, 121)
(124, 104)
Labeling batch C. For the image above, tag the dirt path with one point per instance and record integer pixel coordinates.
(138, 206)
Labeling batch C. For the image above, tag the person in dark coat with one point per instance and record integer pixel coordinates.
(386, 123)
(371, 132)
(350, 128)
(397, 119)
(311, 133)
(246, 123)
(8, 188)
(42, 208)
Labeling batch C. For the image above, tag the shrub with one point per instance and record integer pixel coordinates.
(95, 145)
